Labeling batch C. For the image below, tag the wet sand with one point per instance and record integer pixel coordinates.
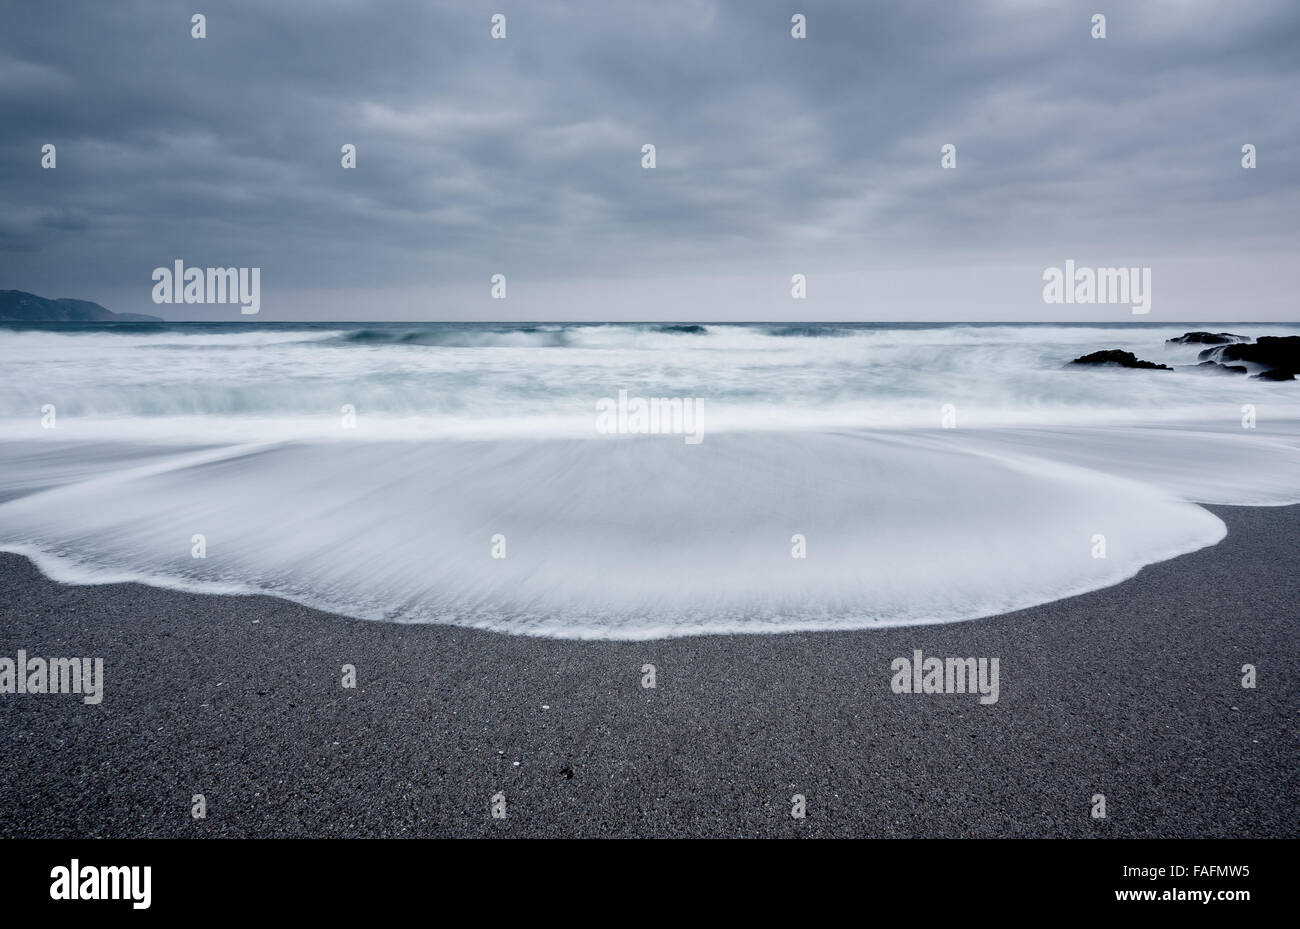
(1133, 692)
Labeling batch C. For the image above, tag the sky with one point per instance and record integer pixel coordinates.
(774, 156)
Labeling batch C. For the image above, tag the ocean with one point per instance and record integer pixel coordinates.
(845, 475)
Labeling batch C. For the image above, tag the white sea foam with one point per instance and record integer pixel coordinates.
(462, 435)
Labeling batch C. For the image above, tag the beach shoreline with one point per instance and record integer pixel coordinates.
(1133, 691)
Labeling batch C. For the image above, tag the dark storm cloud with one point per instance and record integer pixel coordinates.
(476, 155)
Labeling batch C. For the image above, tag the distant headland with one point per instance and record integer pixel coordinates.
(18, 306)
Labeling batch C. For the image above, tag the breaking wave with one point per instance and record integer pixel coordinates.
(237, 434)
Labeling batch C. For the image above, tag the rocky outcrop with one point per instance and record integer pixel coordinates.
(1279, 356)
(1271, 358)
(1273, 351)
(1118, 357)
(1207, 338)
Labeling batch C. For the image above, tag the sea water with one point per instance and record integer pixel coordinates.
(847, 476)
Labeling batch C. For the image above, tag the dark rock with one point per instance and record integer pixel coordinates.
(18, 306)
(1278, 352)
(1276, 374)
(1208, 338)
(1121, 358)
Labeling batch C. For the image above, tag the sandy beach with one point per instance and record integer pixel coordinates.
(1133, 692)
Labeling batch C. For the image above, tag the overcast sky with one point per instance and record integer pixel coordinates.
(775, 156)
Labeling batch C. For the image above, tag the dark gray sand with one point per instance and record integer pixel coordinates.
(1133, 692)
